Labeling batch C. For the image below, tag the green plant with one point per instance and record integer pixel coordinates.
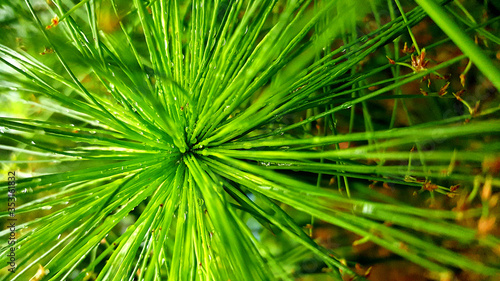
(197, 123)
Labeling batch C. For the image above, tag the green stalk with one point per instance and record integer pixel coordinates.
(458, 36)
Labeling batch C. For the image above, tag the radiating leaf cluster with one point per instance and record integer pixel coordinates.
(190, 113)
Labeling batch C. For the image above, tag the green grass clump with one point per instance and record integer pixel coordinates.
(209, 140)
